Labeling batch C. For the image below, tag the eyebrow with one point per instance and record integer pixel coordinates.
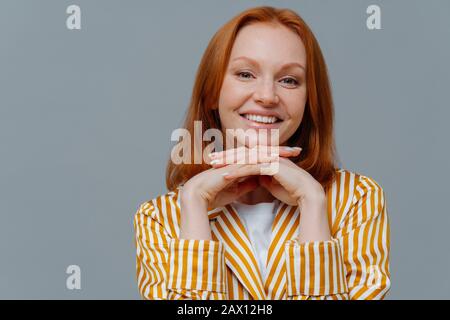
(286, 66)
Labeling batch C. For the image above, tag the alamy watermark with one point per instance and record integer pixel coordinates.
(73, 21)
(373, 21)
(261, 142)
(73, 281)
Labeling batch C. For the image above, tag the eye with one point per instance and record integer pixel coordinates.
(245, 74)
(291, 81)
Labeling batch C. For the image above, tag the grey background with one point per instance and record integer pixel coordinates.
(86, 118)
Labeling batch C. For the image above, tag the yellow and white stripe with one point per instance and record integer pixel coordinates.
(354, 264)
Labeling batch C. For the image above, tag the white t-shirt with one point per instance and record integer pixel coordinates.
(258, 219)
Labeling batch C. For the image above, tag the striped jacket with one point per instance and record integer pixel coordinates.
(354, 264)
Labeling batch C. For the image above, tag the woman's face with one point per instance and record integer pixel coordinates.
(265, 82)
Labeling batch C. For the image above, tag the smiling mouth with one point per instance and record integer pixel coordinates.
(261, 119)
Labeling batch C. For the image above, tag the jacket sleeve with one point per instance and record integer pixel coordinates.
(354, 264)
(168, 268)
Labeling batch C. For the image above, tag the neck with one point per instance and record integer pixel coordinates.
(258, 195)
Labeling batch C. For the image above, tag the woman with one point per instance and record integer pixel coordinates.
(229, 230)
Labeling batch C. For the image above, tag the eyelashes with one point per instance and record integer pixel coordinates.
(248, 75)
(295, 82)
(243, 72)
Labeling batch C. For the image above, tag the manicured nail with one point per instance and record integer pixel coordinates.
(215, 161)
(225, 174)
(294, 149)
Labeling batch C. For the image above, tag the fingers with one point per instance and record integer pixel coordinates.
(244, 155)
(274, 188)
(248, 170)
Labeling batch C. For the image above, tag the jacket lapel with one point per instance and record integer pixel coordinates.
(227, 227)
(284, 227)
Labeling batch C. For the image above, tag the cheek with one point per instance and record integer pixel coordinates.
(297, 114)
(296, 106)
(232, 96)
(296, 110)
(232, 93)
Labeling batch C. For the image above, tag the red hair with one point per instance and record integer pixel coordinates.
(315, 133)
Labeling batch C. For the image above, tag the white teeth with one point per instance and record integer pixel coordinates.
(262, 119)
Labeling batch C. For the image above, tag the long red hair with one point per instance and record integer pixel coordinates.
(315, 133)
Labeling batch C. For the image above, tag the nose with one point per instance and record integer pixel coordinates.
(265, 94)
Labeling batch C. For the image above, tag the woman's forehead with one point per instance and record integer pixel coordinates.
(265, 43)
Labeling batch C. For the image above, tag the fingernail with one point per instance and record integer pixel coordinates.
(216, 161)
(225, 174)
(212, 154)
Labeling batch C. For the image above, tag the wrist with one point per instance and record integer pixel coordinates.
(314, 224)
(190, 198)
(313, 202)
(194, 222)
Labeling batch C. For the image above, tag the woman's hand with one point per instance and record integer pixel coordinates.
(205, 191)
(289, 183)
(211, 189)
